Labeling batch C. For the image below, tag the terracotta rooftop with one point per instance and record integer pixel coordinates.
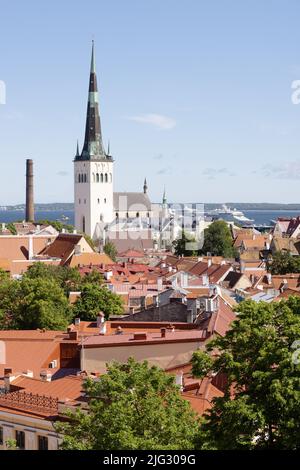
(219, 322)
(37, 398)
(27, 349)
(63, 246)
(131, 254)
(259, 243)
(68, 387)
(126, 339)
(286, 293)
(232, 279)
(89, 259)
(15, 247)
(31, 349)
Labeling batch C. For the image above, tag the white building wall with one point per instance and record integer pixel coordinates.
(93, 198)
(32, 427)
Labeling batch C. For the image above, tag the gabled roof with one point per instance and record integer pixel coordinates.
(258, 243)
(293, 225)
(62, 247)
(139, 240)
(284, 244)
(131, 254)
(88, 259)
(131, 202)
(232, 279)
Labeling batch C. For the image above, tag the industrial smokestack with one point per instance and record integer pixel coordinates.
(29, 191)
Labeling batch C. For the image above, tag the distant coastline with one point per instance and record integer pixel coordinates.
(244, 206)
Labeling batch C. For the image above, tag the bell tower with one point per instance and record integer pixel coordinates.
(93, 169)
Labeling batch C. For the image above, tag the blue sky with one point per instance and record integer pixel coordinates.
(195, 95)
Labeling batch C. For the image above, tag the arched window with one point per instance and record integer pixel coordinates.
(127, 215)
(94, 177)
(98, 201)
(110, 177)
(84, 178)
(79, 178)
(105, 200)
(137, 214)
(101, 217)
(106, 178)
(101, 177)
(83, 224)
(97, 177)
(117, 215)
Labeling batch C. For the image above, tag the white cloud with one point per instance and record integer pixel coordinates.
(288, 170)
(157, 120)
(165, 171)
(211, 173)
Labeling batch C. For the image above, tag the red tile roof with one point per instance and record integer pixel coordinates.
(68, 387)
(62, 247)
(152, 338)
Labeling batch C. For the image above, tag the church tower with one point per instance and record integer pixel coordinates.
(93, 170)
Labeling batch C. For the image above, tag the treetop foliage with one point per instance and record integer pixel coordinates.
(133, 406)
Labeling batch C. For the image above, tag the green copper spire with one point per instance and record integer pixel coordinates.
(93, 64)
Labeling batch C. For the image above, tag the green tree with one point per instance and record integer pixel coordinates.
(218, 240)
(68, 278)
(133, 406)
(59, 226)
(259, 359)
(10, 294)
(94, 277)
(111, 250)
(284, 263)
(201, 364)
(94, 299)
(11, 444)
(183, 246)
(33, 303)
(11, 227)
(4, 276)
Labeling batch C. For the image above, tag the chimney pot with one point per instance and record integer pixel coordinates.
(45, 375)
(73, 335)
(141, 335)
(100, 319)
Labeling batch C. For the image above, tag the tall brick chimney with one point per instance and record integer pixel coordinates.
(29, 216)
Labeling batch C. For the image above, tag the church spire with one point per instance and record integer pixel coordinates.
(93, 147)
(164, 200)
(145, 187)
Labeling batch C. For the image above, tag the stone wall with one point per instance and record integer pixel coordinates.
(172, 312)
